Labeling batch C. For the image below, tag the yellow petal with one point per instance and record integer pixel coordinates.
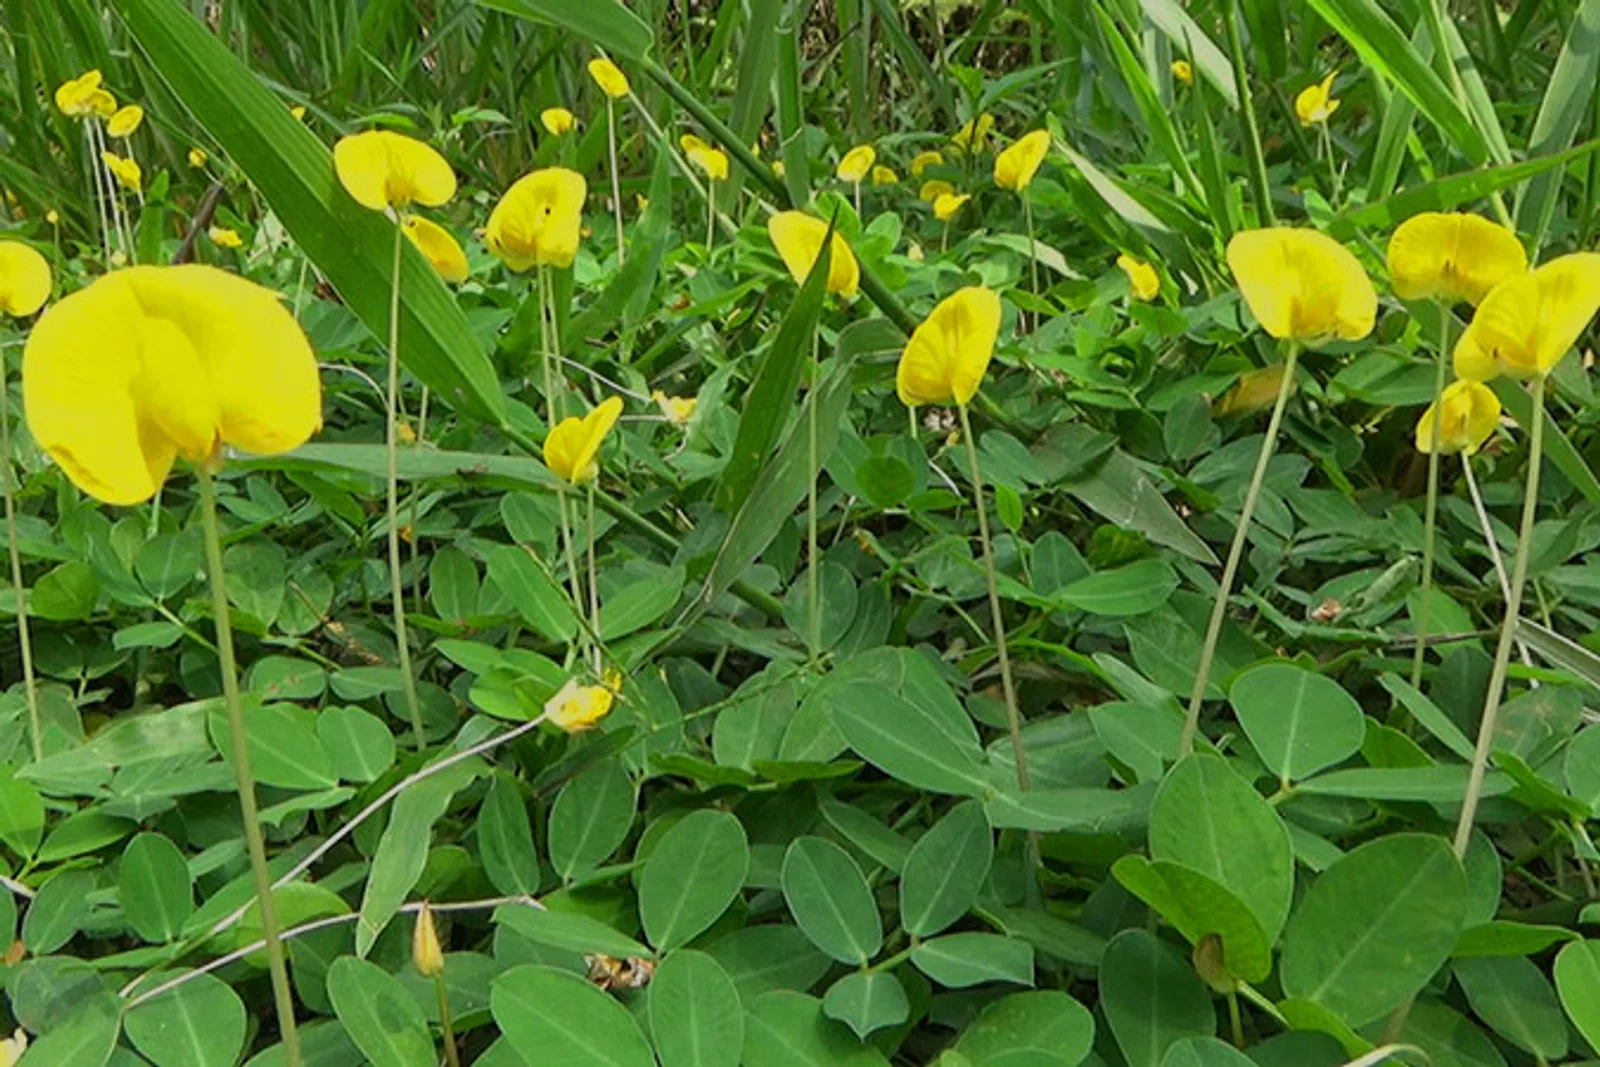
(223, 237)
(923, 160)
(1569, 296)
(948, 354)
(974, 132)
(1143, 281)
(1470, 413)
(1303, 285)
(882, 175)
(934, 188)
(1315, 103)
(609, 77)
(857, 163)
(127, 172)
(712, 161)
(579, 707)
(439, 247)
(557, 120)
(691, 143)
(798, 238)
(125, 121)
(383, 169)
(197, 157)
(539, 222)
(1452, 256)
(945, 205)
(1015, 167)
(571, 447)
(1528, 322)
(1182, 71)
(24, 279)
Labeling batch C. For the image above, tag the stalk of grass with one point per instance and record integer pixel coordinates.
(391, 405)
(813, 578)
(1430, 513)
(1488, 542)
(447, 1031)
(594, 587)
(30, 684)
(1033, 250)
(1260, 191)
(616, 179)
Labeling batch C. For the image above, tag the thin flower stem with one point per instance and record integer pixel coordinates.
(391, 401)
(572, 556)
(594, 587)
(1489, 543)
(411, 516)
(553, 397)
(452, 1058)
(616, 180)
(30, 684)
(1230, 570)
(711, 218)
(96, 168)
(1008, 687)
(1430, 514)
(243, 778)
(813, 579)
(1508, 627)
(1033, 248)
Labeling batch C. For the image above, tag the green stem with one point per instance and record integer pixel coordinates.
(1219, 607)
(243, 778)
(1508, 627)
(1430, 514)
(1488, 542)
(572, 556)
(452, 1057)
(547, 324)
(412, 502)
(1033, 248)
(30, 685)
(594, 588)
(1008, 687)
(1260, 191)
(616, 179)
(1235, 1022)
(813, 579)
(397, 592)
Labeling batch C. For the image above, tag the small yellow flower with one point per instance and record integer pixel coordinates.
(125, 121)
(426, 952)
(857, 163)
(1302, 285)
(691, 143)
(128, 173)
(778, 168)
(1182, 71)
(12, 1048)
(578, 707)
(223, 237)
(1316, 103)
(946, 358)
(197, 157)
(539, 222)
(798, 238)
(712, 161)
(24, 279)
(642, 201)
(82, 96)
(150, 363)
(557, 120)
(934, 188)
(974, 133)
(609, 77)
(1255, 391)
(1529, 321)
(678, 409)
(1470, 410)
(439, 248)
(1015, 167)
(1452, 256)
(299, 112)
(923, 160)
(613, 680)
(53, 217)
(882, 175)
(945, 205)
(571, 448)
(1143, 281)
(382, 169)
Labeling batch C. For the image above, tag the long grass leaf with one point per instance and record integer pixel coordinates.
(604, 22)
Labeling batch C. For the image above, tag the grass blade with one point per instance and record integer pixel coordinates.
(604, 22)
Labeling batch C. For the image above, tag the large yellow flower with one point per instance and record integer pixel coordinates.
(24, 279)
(557, 120)
(578, 707)
(1015, 167)
(539, 221)
(609, 77)
(857, 163)
(945, 360)
(1303, 285)
(1471, 412)
(1316, 103)
(82, 97)
(1143, 281)
(383, 169)
(798, 238)
(1528, 322)
(125, 121)
(571, 447)
(128, 173)
(1452, 256)
(439, 248)
(150, 363)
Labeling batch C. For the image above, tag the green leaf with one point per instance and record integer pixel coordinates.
(155, 887)
(830, 900)
(1142, 735)
(58, 911)
(282, 742)
(1205, 1052)
(1448, 1037)
(1514, 997)
(21, 816)
(1132, 590)
(1577, 974)
(1502, 937)
(1043, 1028)
(1299, 722)
(537, 597)
(66, 593)
(642, 601)
(867, 1001)
(591, 818)
(946, 870)
(85, 1038)
(1438, 785)
(694, 873)
(695, 1014)
(764, 958)
(903, 740)
(572, 931)
(606, 23)
(1375, 926)
(382, 1019)
(505, 840)
(556, 1018)
(1189, 39)
(1558, 448)
(1429, 714)
(1199, 906)
(784, 1029)
(968, 959)
(1151, 997)
(1561, 116)
(357, 742)
(200, 1023)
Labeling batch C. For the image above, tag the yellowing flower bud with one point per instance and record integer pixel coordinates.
(223, 237)
(973, 133)
(197, 157)
(712, 161)
(923, 160)
(1182, 71)
(126, 171)
(1466, 417)
(678, 409)
(934, 188)
(1143, 281)
(426, 952)
(609, 77)
(439, 248)
(882, 175)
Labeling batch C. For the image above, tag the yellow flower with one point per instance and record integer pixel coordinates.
(571, 448)
(150, 363)
(857, 163)
(1015, 167)
(539, 221)
(798, 238)
(197, 157)
(1255, 391)
(923, 160)
(678, 409)
(439, 248)
(128, 173)
(609, 77)
(1302, 285)
(642, 201)
(1452, 256)
(223, 237)
(973, 133)
(12, 1048)
(299, 112)
(1316, 103)
(882, 175)
(947, 355)
(712, 161)
(426, 952)
(778, 168)
(1143, 281)
(945, 205)
(691, 144)
(557, 120)
(613, 680)
(1182, 71)
(125, 120)
(1470, 410)
(578, 707)
(382, 169)
(24, 279)
(82, 96)
(1528, 322)
(53, 217)
(934, 188)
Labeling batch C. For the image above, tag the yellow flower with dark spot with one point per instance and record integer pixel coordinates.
(1530, 321)
(1182, 71)
(125, 121)
(557, 120)
(439, 248)
(1316, 103)
(934, 188)
(1470, 412)
(572, 447)
(197, 157)
(882, 175)
(128, 173)
(609, 77)
(1015, 167)
(1143, 281)
(945, 205)
(1302, 285)
(382, 169)
(712, 161)
(798, 238)
(150, 363)
(1452, 256)
(579, 707)
(946, 358)
(24, 279)
(223, 237)
(857, 163)
(677, 409)
(974, 133)
(539, 222)
(923, 160)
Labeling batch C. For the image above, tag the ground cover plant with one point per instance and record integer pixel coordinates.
(978, 534)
